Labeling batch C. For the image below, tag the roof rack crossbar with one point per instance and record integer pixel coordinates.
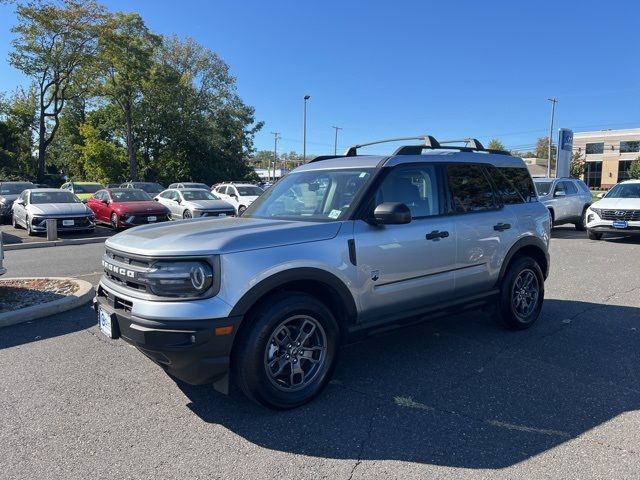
(429, 141)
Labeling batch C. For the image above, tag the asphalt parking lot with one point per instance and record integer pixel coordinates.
(457, 398)
(12, 236)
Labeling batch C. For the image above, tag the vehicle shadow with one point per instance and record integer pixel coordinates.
(570, 233)
(458, 392)
(54, 326)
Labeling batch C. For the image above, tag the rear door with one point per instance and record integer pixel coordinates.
(485, 228)
(574, 202)
(561, 203)
(403, 269)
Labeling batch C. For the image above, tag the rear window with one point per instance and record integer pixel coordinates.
(515, 185)
(14, 188)
(87, 187)
(53, 197)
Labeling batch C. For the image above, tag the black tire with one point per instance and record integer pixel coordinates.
(256, 350)
(114, 221)
(241, 210)
(512, 300)
(594, 235)
(581, 226)
(30, 231)
(187, 214)
(552, 219)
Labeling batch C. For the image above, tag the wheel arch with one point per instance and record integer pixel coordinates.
(532, 247)
(319, 283)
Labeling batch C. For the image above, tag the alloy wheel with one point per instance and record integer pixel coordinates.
(525, 293)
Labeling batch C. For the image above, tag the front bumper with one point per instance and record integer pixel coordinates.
(598, 225)
(189, 350)
(39, 224)
(136, 220)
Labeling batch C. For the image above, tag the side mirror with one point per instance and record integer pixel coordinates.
(105, 201)
(602, 195)
(560, 193)
(392, 213)
(233, 195)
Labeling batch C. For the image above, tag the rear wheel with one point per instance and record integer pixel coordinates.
(581, 226)
(241, 210)
(552, 220)
(594, 235)
(522, 294)
(187, 214)
(287, 355)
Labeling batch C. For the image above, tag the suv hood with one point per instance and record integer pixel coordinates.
(214, 236)
(618, 203)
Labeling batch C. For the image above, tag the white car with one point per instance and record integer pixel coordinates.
(240, 195)
(618, 212)
(2, 269)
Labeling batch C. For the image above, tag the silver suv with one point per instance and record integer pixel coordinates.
(566, 198)
(341, 247)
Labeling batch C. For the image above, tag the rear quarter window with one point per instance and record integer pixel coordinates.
(514, 185)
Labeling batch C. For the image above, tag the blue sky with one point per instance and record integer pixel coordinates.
(382, 69)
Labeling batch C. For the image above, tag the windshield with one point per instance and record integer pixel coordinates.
(14, 188)
(197, 195)
(130, 195)
(196, 185)
(543, 188)
(625, 190)
(149, 187)
(87, 187)
(322, 196)
(53, 197)
(249, 191)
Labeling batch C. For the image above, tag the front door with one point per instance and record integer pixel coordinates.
(405, 269)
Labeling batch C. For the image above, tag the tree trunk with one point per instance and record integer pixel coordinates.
(42, 148)
(131, 152)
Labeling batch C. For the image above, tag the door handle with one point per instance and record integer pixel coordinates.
(501, 227)
(436, 235)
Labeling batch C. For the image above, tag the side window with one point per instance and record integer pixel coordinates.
(470, 189)
(415, 186)
(99, 196)
(570, 188)
(582, 186)
(514, 184)
(232, 191)
(559, 188)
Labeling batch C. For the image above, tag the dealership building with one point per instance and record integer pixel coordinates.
(608, 155)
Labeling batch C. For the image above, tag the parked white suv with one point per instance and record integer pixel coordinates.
(240, 195)
(618, 212)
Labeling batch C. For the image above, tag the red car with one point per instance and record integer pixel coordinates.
(126, 207)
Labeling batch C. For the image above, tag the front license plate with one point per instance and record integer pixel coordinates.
(620, 224)
(222, 214)
(152, 219)
(68, 223)
(104, 320)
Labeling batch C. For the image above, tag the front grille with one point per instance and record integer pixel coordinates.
(143, 219)
(628, 215)
(124, 270)
(230, 213)
(5, 209)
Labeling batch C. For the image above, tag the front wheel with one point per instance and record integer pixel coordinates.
(522, 294)
(114, 221)
(14, 222)
(30, 231)
(594, 235)
(241, 210)
(187, 214)
(287, 354)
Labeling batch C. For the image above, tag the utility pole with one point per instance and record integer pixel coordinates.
(276, 137)
(335, 143)
(304, 131)
(553, 112)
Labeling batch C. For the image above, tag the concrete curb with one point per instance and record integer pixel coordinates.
(84, 295)
(56, 243)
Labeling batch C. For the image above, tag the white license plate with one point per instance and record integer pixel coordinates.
(68, 223)
(222, 214)
(152, 219)
(104, 320)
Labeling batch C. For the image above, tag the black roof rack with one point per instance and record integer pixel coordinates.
(429, 143)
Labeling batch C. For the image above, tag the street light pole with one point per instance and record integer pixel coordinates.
(276, 136)
(304, 133)
(553, 112)
(335, 143)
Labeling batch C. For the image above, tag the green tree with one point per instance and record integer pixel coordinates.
(102, 160)
(55, 47)
(634, 169)
(125, 52)
(18, 124)
(495, 144)
(576, 167)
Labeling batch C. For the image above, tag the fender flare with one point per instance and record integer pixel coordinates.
(258, 291)
(516, 247)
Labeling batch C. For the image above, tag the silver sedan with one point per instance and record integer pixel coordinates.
(32, 209)
(194, 202)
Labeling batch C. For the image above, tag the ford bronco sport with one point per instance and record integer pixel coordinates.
(340, 247)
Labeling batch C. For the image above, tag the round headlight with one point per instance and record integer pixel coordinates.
(198, 277)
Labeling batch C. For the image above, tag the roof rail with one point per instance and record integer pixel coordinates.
(430, 143)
